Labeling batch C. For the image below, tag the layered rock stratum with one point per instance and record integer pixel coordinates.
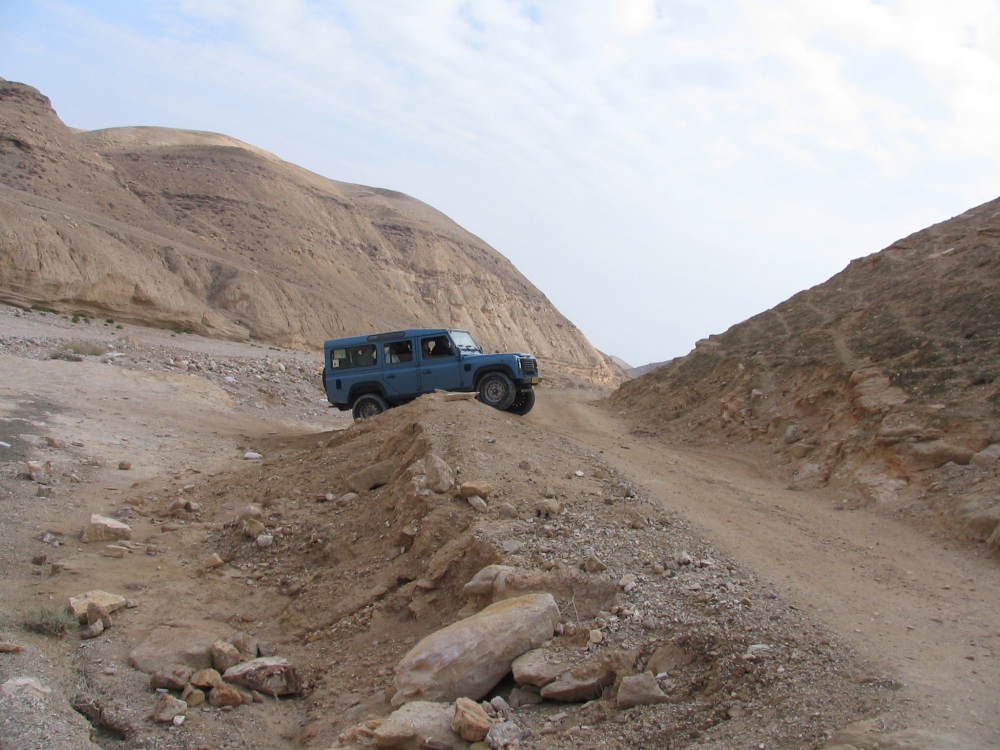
(198, 231)
(884, 380)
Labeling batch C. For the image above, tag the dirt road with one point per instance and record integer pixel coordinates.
(924, 612)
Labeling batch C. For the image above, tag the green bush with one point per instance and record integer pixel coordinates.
(51, 620)
(88, 348)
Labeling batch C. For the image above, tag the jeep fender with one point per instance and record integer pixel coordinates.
(360, 389)
(487, 369)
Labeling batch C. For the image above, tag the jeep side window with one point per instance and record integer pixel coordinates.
(398, 351)
(354, 356)
(436, 346)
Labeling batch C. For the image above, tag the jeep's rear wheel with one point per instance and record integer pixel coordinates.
(368, 405)
(497, 390)
(523, 403)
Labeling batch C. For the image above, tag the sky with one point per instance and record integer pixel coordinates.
(660, 169)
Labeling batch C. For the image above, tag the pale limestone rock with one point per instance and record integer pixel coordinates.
(939, 452)
(113, 550)
(584, 683)
(504, 734)
(482, 489)
(482, 583)
(419, 725)
(272, 675)
(166, 646)
(193, 696)
(470, 721)
(224, 656)
(206, 678)
(224, 695)
(109, 602)
(252, 528)
(438, 474)
(469, 657)
(174, 677)
(167, 707)
(640, 690)
(986, 457)
(538, 668)
(104, 529)
(374, 476)
(478, 503)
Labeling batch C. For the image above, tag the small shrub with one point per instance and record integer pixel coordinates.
(118, 326)
(109, 320)
(52, 621)
(76, 318)
(87, 348)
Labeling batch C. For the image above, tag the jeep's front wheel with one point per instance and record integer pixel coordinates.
(523, 403)
(368, 405)
(497, 390)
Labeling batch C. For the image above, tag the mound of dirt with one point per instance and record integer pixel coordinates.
(360, 559)
(201, 232)
(884, 380)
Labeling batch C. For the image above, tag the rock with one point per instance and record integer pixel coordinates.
(166, 646)
(482, 489)
(584, 683)
(108, 602)
(193, 696)
(224, 656)
(43, 491)
(10, 648)
(266, 648)
(124, 465)
(214, 561)
(275, 367)
(485, 581)
(499, 704)
(92, 631)
(104, 529)
(174, 677)
(250, 511)
(469, 657)
(640, 690)
(627, 580)
(939, 452)
(346, 499)
(470, 721)
(418, 725)
(504, 734)
(525, 696)
(206, 678)
(537, 668)
(548, 493)
(683, 558)
(103, 716)
(593, 564)
(252, 456)
(548, 508)
(374, 476)
(246, 644)
(986, 457)
(167, 707)
(868, 734)
(272, 675)
(113, 550)
(439, 476)
(39, 471)
(596, 636)
(264, 541)
(252, 528)
(97, 613)
(27, 685)
(478, 503)
(507, 510)
(224, 695)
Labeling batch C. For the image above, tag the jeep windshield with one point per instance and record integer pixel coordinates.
(465, 343)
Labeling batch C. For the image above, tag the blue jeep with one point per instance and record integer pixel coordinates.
(368, 374)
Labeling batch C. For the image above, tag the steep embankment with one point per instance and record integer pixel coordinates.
(203, 232)
(883, 380)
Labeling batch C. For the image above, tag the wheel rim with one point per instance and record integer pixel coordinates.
(369, 409)
(495, 391)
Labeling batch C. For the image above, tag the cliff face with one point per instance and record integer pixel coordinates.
(884, 380)
(199, 231)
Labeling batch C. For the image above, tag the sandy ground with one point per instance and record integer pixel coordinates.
(925, 610)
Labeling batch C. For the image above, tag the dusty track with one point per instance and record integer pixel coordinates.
(924, 610)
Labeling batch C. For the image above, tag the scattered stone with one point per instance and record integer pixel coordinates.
(374, 476)
(39, 559)
(627, 580)
(507, 510)
(265, 540)
(124, 465)
(266, 648)
(548, 508)
(167, 645)
(206, 678)
(439, 476)
(939, 452)
(224, 656)
(272, 675)
(102, 716)
(419, 724)
(253, 528)
(478, 503)
(525, 696)
(224, 695)
(584, 683)
(214, 561)
(460, 396)
(537, 668)
(174, 677)
(92, 631)
(252, 456)
(640, 690)
(346, 499)
(469, 657)
(548, 493)
(113, 550)
(104, 529)
(593, 564)
(78, 605)
(482, 489)
(246, 644)
(470, 721)
(97, 613)
(43, 491)
(29, 685)
(10, 648)
(39, 471)
(986, 457)
(504, 734)
(487, 581)
(167, 707)
(499, 704)
(683, 558)
(596, 636)
(250, 511)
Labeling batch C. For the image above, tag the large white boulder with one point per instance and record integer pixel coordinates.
(469, 657)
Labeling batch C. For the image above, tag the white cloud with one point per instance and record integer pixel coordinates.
(684, 163)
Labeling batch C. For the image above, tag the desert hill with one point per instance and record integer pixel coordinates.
(202, 232)
(884, 380)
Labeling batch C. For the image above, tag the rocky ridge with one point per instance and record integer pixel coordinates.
(198, 231)
(882, 381)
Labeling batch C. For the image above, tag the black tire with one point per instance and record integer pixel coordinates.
(368, 405)
(523, 403)
(497, 390)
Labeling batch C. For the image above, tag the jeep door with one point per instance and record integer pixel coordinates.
(399, 369)
(440, 366)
